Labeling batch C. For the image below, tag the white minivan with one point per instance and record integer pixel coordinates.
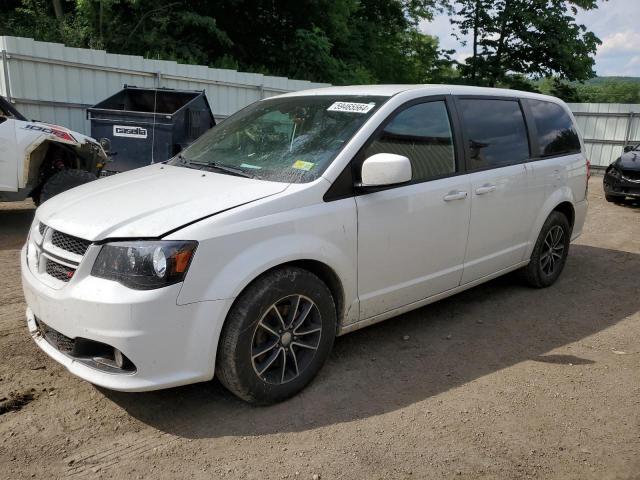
(299, 218)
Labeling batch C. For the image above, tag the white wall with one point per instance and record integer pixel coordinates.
(54, 83)
(606, 128)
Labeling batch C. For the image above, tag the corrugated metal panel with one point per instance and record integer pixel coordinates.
(607, 128)
(54, 83)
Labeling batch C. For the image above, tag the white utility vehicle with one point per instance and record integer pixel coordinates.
(299, 218)
(40, 160)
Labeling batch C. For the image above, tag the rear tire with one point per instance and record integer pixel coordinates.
(277, 336)
(549, 253)
(63, 181)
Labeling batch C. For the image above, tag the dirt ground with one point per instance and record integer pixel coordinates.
(501, 381)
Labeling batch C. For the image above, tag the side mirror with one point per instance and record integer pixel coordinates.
(385, 169)
(627, 148)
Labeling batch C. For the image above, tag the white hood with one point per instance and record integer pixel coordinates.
(149, 201)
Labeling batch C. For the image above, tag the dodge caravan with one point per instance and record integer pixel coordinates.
(299, 218)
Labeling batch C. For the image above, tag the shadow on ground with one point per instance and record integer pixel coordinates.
(14, 226)
(452, 342)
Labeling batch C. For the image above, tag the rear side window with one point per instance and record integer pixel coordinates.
(422, 133)
(556, 133)
(495, 132)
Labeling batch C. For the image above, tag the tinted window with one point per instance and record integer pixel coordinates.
(556, 132)
(422, 133)
(496, 132)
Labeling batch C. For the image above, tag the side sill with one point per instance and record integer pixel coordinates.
(352, 327)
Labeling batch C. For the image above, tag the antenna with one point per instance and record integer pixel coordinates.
(153, 127)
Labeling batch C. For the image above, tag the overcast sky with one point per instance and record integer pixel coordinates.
(616, 23)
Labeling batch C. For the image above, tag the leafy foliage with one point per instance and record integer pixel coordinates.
(337, 41)
(597, 90)
(534, 38)
(514, 42)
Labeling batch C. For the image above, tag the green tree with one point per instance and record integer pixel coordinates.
(337, 41)
(565, 91)
(534, 38)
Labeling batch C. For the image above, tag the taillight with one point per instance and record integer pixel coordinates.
(586, 183)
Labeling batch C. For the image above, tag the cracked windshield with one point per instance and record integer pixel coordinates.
(285, 140)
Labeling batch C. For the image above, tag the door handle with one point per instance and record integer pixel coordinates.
(485, 189)
(454, 195)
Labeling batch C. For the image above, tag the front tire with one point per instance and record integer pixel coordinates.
(62, 181)
(549, 253)
(277, 336)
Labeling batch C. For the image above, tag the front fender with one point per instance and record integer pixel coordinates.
(33, 138)
(225, 264)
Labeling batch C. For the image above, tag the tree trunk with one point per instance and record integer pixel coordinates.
(497, 63)
(101, 16)
(476, 14)
(57, 8)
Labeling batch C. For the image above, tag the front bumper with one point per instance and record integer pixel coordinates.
(620, 186)
(169, 344)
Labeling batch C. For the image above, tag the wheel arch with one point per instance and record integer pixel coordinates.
(561, 200)
(323, 271)
(566, 208)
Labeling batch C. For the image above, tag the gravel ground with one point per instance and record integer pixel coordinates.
(501, 381)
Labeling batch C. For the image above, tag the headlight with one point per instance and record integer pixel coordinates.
(144, 265)
(614, 172)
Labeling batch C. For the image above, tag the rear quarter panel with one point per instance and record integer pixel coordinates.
(565, 180)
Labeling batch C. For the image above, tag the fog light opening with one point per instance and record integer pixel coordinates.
(119, 358)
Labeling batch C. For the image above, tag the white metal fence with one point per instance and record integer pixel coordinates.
(54, 83)
(607, 128)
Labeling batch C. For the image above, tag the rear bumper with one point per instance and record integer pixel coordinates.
(580, 212)
(168, 344)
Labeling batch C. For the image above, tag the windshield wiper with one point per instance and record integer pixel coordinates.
(217, 166)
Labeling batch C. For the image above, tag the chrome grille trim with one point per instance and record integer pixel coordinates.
(69, 243)
(57, 255)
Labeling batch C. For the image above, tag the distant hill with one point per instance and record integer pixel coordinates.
(599, 80)
(614, 89)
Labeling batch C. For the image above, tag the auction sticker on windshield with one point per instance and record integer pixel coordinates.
(302, 165)
(351, 107)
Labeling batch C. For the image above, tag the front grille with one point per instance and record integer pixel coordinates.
(631, 174)
(70, 243)
(55, 338)
(59, 271)
(41, 228)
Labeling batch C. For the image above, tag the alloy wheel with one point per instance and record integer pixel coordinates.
(552, 250)
(286, 339)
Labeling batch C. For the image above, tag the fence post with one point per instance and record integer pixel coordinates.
(627, 133)
(5, 68)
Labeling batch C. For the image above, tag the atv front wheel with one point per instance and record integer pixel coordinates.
(62, 181)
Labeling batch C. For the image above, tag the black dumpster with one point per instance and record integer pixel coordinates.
(140, 126)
